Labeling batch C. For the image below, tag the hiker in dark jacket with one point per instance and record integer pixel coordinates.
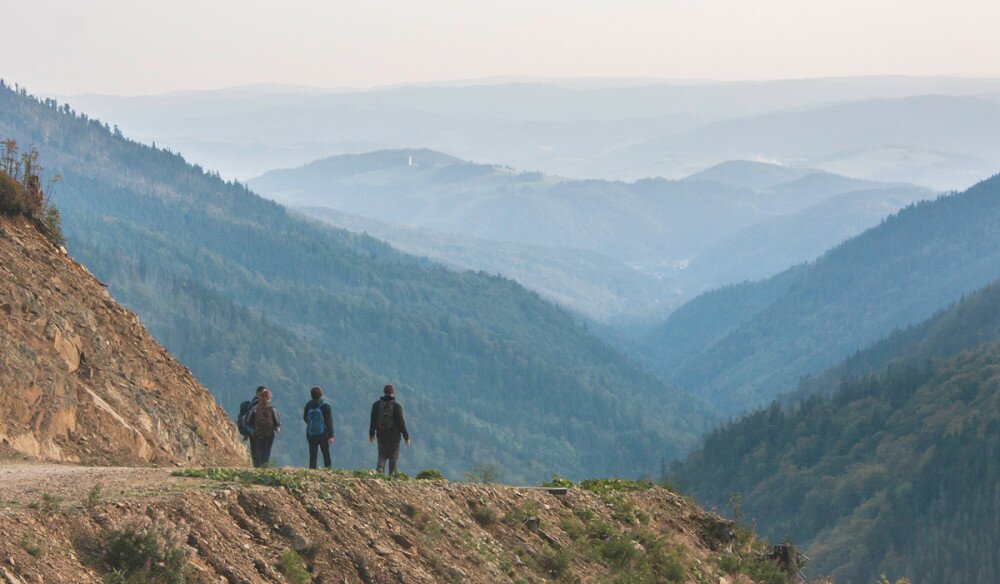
(266, 423)
(244, 422)
(388, 425)
(319, 427)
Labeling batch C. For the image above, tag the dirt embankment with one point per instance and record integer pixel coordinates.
(345, 529)
(80, 378)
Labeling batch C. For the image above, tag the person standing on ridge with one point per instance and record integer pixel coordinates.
(266, 423)
(319, 427)
(388, 425)
(243, 423)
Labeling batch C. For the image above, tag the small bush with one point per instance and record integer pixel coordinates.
(430, 474)
(558, 482)
(615, 486)
(49, 503)
(94, 496)
(520, 515)
(145, 553)
(410, 510)
(12, 201)
(270, 477)
(555, 563)
(618, 551)
(484, 515)
(573, 527)
(35, 548)
(52, 222)
(293, 568)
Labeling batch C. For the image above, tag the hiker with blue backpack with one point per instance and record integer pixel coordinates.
(243, 424)
(319, 427)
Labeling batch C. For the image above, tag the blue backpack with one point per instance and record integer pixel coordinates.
(315, 424)
(243, 420)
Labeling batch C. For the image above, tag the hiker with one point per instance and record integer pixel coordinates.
(243, 422)
(266, 423)
(388, 425)
(319, 427)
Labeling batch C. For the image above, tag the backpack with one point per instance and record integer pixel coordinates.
(263, 422)
(387, 418)
(243, 419)
(315, 424)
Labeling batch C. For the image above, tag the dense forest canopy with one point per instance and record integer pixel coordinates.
(895, 472)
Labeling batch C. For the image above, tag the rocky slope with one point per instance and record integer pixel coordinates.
(335, 527)
(82, 381)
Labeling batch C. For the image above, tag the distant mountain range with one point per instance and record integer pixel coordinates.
(894, 129)
(888, 465)
(611, 251)
(246, 293)
(741, 346)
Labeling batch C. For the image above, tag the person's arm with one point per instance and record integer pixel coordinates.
(371, 425)
(328, 419)
(401, 422)
(305, 413)
(277, 420)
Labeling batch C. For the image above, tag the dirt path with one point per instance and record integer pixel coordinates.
(22, 484)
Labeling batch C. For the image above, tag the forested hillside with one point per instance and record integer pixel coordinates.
(898, 273)
(247, 293)
(896, 473)
(963, 325)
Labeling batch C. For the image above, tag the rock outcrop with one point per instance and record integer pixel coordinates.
(81, 380)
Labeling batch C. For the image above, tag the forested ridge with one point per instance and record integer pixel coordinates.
(246, 293)
(895, 472)
(804, 320)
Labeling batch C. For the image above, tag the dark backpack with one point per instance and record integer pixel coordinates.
(315, 423)
(243, 420)
(263, 421)
(387, 418)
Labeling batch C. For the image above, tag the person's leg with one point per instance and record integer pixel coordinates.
(265, 451)
(324, 445)
(254, 452)
(382, 457)
(313, 445)
(393, 458)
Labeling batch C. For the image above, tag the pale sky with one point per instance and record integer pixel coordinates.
(152, 46)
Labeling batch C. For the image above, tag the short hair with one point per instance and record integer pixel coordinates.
(316, 392)
(261, 389)
(389, 390)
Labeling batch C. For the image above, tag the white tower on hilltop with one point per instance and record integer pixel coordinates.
(410, 163)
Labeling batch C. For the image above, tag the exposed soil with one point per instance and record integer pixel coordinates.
(349, 530)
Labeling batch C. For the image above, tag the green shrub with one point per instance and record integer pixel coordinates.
(33, 546)
(614, 486)
(12, 200)
(52, 221)
(430, 474)
(555, 563)
(270, 477)
(93, 497)
(145, 553)
(520, 515)
(483, 513)
(293, 568)
(558, 482)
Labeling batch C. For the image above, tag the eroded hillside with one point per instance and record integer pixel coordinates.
(317, 526)
(80, 378)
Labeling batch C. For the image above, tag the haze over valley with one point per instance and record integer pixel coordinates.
(669, 292)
